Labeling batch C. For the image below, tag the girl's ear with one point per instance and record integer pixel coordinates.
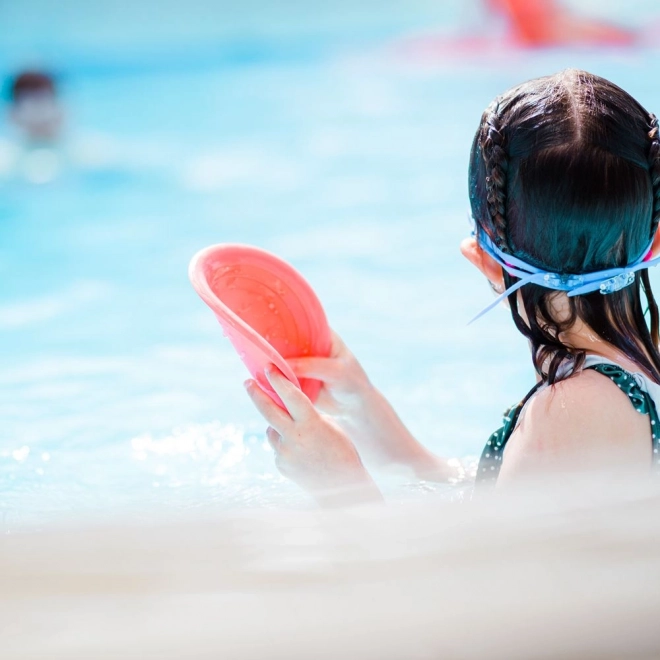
(473, 252)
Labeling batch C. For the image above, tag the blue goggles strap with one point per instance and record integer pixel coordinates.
(606, 281)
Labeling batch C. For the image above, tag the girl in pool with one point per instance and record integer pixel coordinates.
(564, 185)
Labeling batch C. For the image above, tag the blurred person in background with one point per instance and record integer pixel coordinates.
(41, 146)
(37, 118)
(35, 109)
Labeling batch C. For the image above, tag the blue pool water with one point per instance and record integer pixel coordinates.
(313, 139)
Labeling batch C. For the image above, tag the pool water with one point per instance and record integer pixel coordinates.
(328, 147)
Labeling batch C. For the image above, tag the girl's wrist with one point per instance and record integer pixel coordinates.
(369, 406)
(380, 420)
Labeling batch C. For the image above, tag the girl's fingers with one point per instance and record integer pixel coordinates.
(328, 369)
(296, 402)
(279, 419)
(275, 441)
(338, 346)
(323, 369)
(274, 438)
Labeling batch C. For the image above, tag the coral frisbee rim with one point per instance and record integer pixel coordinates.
(266, 308)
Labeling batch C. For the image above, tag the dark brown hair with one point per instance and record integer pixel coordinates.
(31, 82)
(565, 174)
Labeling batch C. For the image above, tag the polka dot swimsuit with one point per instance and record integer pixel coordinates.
(632, 384)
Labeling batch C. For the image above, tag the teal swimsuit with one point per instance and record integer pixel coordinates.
(642, 401)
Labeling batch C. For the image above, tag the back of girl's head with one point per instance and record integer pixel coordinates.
(565, 174)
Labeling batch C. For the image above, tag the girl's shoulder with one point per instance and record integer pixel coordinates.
(583, 422)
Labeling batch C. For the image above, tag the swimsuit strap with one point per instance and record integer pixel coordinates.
(641, 400)
(491, 458)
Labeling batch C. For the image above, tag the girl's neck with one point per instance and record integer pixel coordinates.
(582, 337)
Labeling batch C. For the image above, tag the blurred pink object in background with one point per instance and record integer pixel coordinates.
(547, 23)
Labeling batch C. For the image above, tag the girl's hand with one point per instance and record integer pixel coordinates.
(345, 383)
(311, 449)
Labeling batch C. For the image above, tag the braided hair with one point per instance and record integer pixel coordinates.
(496, 161)
(565, 174)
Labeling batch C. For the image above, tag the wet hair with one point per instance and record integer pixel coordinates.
(31, 82)
(565, 174)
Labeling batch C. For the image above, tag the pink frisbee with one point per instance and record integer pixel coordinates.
(265, 307)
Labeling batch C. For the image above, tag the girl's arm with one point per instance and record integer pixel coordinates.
(366, 415)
